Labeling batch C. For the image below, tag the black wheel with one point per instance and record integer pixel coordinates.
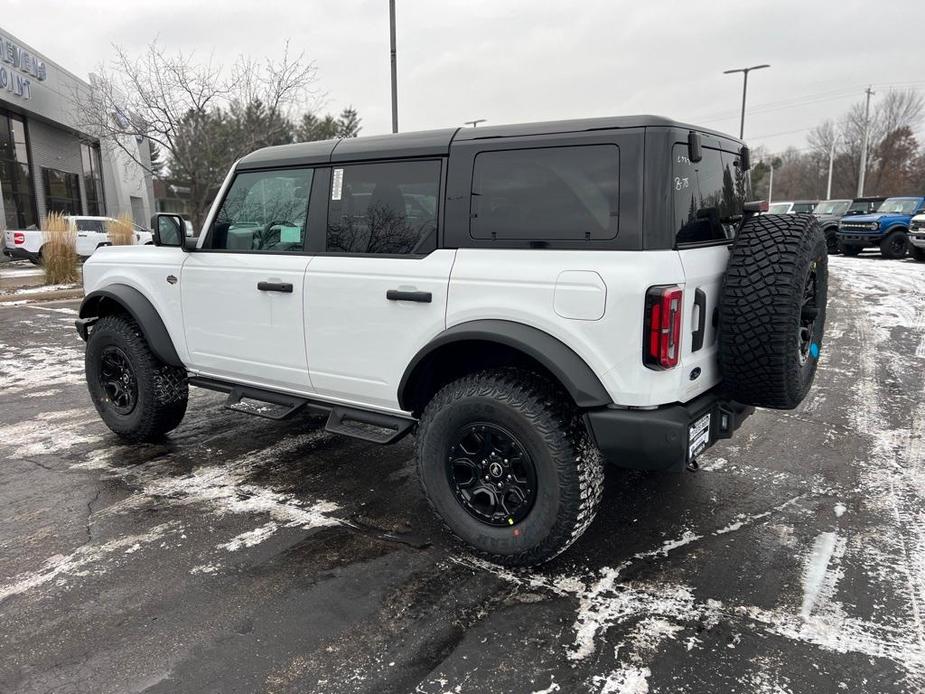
(895, 245)
(139, 397)
(831, 240)
(505, 461)
(772, 312)
(917, 253)
(845, 249)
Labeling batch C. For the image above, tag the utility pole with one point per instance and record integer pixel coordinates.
(828, 187)
(475, 122)
(771, 184)
(863, 169)
(744, 71)
(394, 66)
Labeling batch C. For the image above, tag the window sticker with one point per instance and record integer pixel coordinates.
(337, 184)
(290, 234)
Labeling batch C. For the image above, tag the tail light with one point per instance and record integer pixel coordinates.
(19, 238)
(661, 347)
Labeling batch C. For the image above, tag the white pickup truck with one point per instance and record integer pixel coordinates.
(27, 244)
(527, 300)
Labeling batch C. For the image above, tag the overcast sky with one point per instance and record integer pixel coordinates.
(522, 60)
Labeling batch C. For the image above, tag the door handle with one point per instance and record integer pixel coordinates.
(399, 295)
(284, 287)
(700, 301)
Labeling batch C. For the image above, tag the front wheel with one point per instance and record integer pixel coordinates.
(506, 463)
(845, 249)
(917, 253)
(895, 244)
(831, 240)
(138, 396)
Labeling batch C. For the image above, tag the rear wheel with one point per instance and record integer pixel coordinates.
(508, 466)
(895, 245)
(917, 253)
(772, 313)
(138, 396)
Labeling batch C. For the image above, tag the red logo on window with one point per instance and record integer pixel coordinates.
(19, 238)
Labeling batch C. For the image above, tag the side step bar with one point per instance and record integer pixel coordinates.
(376, 427)
(369, 426)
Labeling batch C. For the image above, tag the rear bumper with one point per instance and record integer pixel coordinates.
(18, 253)
(659, 439)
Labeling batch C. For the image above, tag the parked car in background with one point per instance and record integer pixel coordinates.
(829, 212)
(792, 207)
(917, 237)
(887, 228)
(91, 234)
(865, 205)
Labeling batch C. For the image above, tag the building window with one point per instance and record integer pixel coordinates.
(16, 173)
(62, 191)
(387, 208)
(93, 178)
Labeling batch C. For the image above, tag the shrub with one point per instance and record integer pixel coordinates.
(59, 250)
(120, 230)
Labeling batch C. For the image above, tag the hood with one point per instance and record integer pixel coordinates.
(824, 218)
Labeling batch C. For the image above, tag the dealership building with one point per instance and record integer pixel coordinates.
(46, 163)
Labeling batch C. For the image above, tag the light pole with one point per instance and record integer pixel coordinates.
(828, 187)
(394, 66)
(862, 173)
(475, 122)
(744, 71)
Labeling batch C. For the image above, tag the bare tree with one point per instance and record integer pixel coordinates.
(201, 116)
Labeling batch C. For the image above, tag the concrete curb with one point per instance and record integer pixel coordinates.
(33, 297)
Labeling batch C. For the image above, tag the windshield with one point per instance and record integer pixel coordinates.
(899, 205)
(832, 207)
(801, 207)
(862, 206)
(779, 208)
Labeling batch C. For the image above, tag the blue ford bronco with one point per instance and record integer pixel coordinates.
(887, 228)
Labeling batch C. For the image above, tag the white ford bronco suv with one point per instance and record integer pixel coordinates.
(529, 300)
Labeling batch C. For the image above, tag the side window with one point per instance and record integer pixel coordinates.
(264, 211)
(387, 208)
(96, 225)
(708, 195)
(546, 194)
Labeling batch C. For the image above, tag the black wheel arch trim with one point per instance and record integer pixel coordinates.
(561, 360)
(142, 312)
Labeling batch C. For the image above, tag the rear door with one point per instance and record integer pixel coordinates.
(708, 201)
(377, 291)
(90, 234)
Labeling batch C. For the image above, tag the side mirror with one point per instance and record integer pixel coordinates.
(694, 147)
(745, 161)
(168, 230)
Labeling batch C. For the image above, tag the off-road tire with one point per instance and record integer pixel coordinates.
(917, 253)
(846, 249)
(831, 241)
(895, 245)
(569, 468)
(773, 259)
(162, 390)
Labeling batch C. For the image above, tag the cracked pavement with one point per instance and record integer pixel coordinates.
(243, 554)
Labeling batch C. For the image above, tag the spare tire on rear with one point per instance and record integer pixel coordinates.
(772, 310)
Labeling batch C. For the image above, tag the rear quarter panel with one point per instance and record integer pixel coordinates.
(521, 286)
(146, 269)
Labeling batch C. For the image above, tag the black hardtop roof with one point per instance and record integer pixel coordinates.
(427, 143)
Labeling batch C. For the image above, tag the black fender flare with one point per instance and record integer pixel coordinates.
(142, 312)
(562, 362)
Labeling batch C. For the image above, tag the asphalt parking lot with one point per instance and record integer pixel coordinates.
(249, 555)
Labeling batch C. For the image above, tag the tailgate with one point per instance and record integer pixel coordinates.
(703, 277)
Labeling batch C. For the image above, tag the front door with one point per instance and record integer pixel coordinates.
(378, 292)
(90, 234)
(243, 292)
